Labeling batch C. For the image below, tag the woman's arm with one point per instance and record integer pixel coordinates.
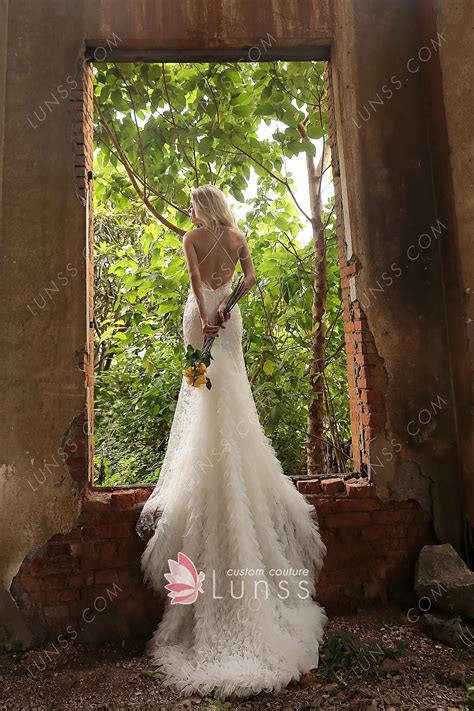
(209, 330)
(247, 265)
(194, 274)
(250, 280)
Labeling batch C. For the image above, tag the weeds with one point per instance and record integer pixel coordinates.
(344, 650)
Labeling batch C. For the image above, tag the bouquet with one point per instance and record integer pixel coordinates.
(198, 360)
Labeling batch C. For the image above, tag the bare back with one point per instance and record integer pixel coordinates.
(218, 255)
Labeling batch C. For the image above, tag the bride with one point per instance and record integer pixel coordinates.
(223, 523)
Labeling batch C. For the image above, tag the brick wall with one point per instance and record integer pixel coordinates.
(82, 112)
(365, 368)
(372, 545)
(88, 582)
(81, 109)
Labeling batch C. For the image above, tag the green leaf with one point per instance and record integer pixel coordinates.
(269, 367)
(309, 148)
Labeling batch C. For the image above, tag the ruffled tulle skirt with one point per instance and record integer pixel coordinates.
(222, 499)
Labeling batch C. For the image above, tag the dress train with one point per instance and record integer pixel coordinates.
(223, 500)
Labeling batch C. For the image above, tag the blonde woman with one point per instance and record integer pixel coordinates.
(213, 251)
(242, 548)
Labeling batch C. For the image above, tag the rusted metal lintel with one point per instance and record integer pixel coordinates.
(238, 54)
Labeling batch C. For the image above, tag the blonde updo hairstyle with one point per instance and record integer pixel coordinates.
(211, 208)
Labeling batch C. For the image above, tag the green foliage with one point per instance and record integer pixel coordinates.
(470, 692)
(217, 704)
(163, 130)
(343, 650)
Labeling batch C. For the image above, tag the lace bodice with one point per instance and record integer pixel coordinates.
(230, 337)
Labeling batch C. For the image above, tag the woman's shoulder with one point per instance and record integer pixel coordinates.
(197, 232)
(191, 236)
(237, 233)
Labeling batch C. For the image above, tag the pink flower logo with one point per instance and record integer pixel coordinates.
(184, 581)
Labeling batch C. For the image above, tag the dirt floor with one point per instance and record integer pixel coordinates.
(389, 663)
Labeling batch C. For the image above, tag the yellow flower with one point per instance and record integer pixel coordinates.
(196, 377)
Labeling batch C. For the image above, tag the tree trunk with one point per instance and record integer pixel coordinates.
(314, 441)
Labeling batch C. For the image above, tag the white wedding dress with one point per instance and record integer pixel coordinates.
(222, 499)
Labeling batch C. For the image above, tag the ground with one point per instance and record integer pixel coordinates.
(424, 674)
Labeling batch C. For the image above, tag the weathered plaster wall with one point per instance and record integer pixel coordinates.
(455, 21)
(388, 201)
(394, 235)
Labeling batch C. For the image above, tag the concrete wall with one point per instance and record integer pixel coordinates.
(454, 21)
(387, 176)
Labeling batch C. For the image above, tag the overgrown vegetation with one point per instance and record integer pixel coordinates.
(162, 129)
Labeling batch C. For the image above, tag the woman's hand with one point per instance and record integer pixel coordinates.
(209, 330)
(220, 313)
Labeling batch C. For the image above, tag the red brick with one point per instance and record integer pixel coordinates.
(117, 560)
(100, 516)
(83, 550)
(75, 462)
(57, 548)
(371, 396)
(309, 486)
(73, 535)
(109, 591)
(129, 575)
(329, 537)
(358, 519)
(105, 577)
(111, 531)
(54, 582)
(32, 566)
(410, 504)
(142, 494)
(129, 516)
(123, 500)
(393, 517)
(62, 595)
(418, 531)
(373, 533)
(370, 433)
(397, 531)
(360, 490)
(360, 504)
(88, 564)
(81, 580)
(133, 545)
(349, 270)
(321, 505)
(340, 576)
(76, 449)
(75, 611)
(97, 502)
(368, 359)
(27, 582)
(377, 382)
(57, 564)
(376, 419)
(105, 549)
(57, 612)
(332, 485)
